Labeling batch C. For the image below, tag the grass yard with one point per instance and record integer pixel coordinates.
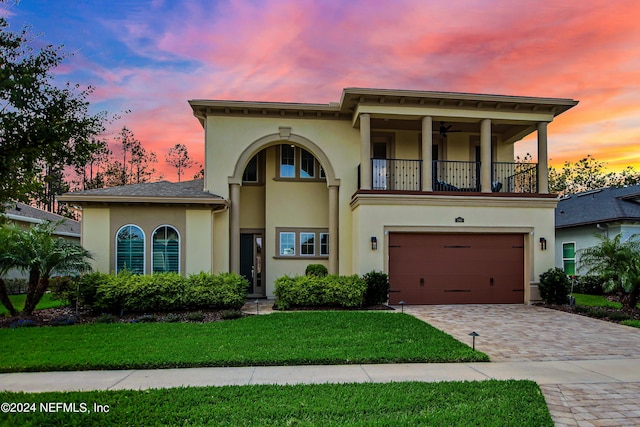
(18, 303)
(633, 323)
(595, 301)
(299, 338)
(484, 403)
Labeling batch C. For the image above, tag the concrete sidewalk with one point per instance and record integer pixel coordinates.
(614, 371)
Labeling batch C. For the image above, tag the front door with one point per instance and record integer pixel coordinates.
(251, 262)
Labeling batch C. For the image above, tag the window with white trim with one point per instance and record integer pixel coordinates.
(287, 244)
(296, 163)
(165, 244)
(130, 251)
(302, 242)
(569, 258)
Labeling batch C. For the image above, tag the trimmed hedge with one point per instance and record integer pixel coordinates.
(132, 293)
(555, 286)
(377, 288)
(315, 291)
(590, 285)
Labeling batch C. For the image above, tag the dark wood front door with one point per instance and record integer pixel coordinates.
(456, 268)
(252, 262)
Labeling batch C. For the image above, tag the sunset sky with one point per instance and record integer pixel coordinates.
(151, 56)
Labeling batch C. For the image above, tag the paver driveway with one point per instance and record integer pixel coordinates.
(527, 333)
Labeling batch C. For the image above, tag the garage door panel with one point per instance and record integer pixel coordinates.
(456, 268)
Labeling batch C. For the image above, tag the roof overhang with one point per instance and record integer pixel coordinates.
(86, 200)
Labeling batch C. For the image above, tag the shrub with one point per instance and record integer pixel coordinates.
(169, 291)
(377, 288)
(314, 291)
(171, 318)
(590, 285)
(146, 318)
(22, 323)
(106, 318)
(230, 314)
(316, 270)
(554, 286)
(195, 316)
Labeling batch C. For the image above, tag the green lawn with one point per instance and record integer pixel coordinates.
(595, 301)
(299, 338)
(634, 323)
(18, 303)
(484, 403)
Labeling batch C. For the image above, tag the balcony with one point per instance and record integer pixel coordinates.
(452, 176)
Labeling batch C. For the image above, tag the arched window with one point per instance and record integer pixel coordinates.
(130, 249)
(166, 250)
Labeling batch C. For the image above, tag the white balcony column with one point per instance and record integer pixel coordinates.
(365, 151)
(333, 229)
(234, 228)
(543, 162)
(427, 154)
(485, 156)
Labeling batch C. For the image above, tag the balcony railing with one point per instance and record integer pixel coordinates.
(396, 174)
(452, 176)
(514, 177)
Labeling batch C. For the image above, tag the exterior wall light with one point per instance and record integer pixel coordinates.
(543, 244)
(374, 243)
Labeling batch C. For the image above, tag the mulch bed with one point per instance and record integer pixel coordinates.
(65, 315)
(615, 315)
(58, 316)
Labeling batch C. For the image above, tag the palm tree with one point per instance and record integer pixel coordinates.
(6, 263)
(41, 254)
(618, 263)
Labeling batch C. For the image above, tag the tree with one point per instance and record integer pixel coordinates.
(583, 175)
(40, 123)
(7, 262)
(178, 157)
(618, 263)
(41, 254)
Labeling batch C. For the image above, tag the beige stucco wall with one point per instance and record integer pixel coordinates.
(287, 203)
(148, 218)
(252, 200)
(198, 241)
(533, 218)
(96, 237)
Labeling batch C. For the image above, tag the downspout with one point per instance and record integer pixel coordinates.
(605, 229)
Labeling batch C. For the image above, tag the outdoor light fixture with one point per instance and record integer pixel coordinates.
(257, 306)
(402, 303)
(374, 243)
(474, 334)
(543, 244)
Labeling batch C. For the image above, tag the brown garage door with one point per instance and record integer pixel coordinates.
(456, 268)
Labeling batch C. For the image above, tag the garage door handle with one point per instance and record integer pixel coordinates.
(422, 281)
(491, 281)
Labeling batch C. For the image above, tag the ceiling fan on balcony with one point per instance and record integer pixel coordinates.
(444, 129)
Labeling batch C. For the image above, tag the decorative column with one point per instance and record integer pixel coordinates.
(427, 154)
(234, 228)
(485, 156)
(365, 151)
(543, 162)
(333, 229)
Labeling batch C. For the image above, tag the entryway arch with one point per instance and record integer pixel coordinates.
(284, 136)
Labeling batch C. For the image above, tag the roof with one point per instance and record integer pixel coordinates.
(599, 206)
(20, 212)
(352, 97)
(165, 192)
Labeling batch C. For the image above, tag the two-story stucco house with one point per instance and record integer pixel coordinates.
(421, 185)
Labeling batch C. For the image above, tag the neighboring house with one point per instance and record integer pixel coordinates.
(422, 185)
(581, 217)
(26, 216)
